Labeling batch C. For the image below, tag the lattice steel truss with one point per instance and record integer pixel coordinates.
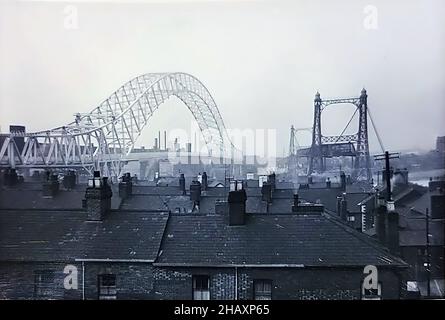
(101, 139)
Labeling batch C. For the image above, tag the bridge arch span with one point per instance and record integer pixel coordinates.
(101, 138)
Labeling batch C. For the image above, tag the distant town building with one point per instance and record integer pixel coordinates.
(440, 144)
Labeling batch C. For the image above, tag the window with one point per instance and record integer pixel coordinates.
(262, 290)
(43, 283)
(201, 289)
(372, 294)
(107, 286)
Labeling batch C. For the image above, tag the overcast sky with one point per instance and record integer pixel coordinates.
(262, 61)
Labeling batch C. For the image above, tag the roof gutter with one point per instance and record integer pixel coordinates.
(230, 265)
(116, 260)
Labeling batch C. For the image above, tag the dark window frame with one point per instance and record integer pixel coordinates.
(201, 277)
(373, 296)
(107, 286)
(262, 293)
(43, 283)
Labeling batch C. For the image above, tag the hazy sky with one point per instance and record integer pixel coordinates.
(262, 61)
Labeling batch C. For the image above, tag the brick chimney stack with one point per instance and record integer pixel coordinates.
(10, 177)
(204, 181)
(343, 181)
(380, 223)
(296, 202)
(266, 192)
(50, 186)
(392, 230)
(237, 207)
(125, 186)
(328, 183)
(182, 184)
(272, 181)
(98, 197)
(195, 194)
(69, 180)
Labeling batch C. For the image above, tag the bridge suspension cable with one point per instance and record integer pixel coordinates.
(375, 130)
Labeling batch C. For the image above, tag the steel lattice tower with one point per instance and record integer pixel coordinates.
(354, 145)
(292, 158)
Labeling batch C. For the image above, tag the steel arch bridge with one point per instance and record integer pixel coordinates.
(101, 139)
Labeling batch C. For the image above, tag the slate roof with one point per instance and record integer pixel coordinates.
(151, 200)
(416, 236)
(157, 202)
(157, 190)
(353, 200)
(29, 197)
(326, 196)
(266, 240)
(412, 219)
(66, 235)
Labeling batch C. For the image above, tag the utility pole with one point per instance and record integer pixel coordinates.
(386, 156)
(428, 262)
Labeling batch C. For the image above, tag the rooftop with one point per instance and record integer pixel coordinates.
(268, 240)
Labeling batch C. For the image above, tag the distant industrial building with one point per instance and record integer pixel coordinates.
(440, 144)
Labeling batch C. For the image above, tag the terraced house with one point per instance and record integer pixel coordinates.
(151, 242)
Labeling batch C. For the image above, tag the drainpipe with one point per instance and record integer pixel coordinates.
(236, 283)
(83, 280)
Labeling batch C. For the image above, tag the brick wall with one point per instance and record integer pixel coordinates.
(133, 281)
(176, 283)
(142, 281)
(17, 281)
